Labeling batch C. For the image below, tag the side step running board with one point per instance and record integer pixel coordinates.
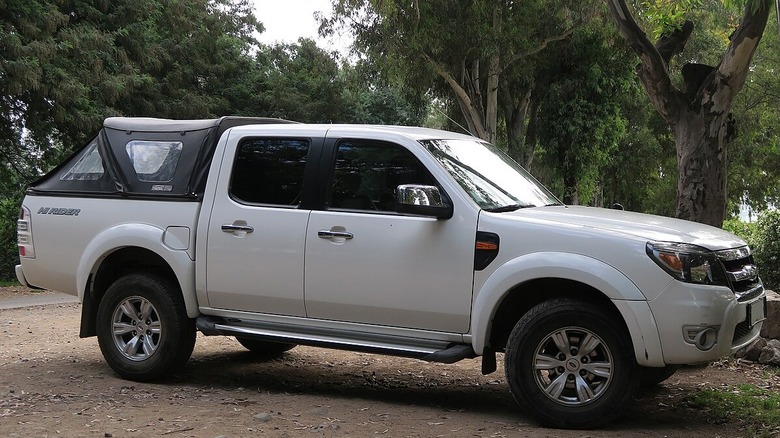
(431, 351)
(452, 354)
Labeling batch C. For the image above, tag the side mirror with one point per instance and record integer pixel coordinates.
(422, 200)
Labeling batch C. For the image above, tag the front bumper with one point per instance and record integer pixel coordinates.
(698, 323)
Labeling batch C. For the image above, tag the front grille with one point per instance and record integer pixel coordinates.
(741, 272)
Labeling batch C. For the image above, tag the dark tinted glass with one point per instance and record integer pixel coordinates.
(269, 171)
(366, 175)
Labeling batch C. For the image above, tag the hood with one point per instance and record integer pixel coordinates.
(643, 226)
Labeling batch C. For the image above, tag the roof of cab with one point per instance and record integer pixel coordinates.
(347, 130)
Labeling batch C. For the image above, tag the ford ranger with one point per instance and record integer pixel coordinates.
(394, 240)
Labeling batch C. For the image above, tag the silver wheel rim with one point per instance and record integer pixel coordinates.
(137, 328)
(573, 366)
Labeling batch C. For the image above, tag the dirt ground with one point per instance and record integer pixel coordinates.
(54, 384)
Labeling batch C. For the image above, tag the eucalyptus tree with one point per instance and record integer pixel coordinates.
(469, 45)
(699, 109)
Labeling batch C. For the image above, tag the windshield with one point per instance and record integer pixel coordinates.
(492, 179)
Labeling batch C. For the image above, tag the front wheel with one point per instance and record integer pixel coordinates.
(570, 364)
(143, 329)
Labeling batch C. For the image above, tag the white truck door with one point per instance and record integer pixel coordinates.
(367, 264)
(256, 231)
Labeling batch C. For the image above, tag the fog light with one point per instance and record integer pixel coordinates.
(703, 337)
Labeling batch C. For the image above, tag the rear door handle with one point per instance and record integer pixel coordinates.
(327, 234)
(230, 228)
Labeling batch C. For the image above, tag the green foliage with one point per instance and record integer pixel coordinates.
(580, 121)
(763, 237)
(745, 230)
(69, 64)
(758, 409)
(754, 176)
(641, 174)
(373, 98)
(9, 255)
(302, 83)
(384, 106)
(766, 248)
(664, 16)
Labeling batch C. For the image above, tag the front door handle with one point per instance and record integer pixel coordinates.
(327, 234)
(230, 228)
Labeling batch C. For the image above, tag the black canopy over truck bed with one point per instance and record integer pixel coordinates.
(143, 157)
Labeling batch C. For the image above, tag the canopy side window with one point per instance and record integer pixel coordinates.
(154, 161)
(88, 167)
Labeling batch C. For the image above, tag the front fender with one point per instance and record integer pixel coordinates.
(140, 236)
(629, 300)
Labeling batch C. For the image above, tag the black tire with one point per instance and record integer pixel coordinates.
(152, 347)
(544, 378)
(264, 348)
(650, 376)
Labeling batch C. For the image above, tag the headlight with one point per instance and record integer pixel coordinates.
(689, 263)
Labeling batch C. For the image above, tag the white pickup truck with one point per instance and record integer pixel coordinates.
(394, 240)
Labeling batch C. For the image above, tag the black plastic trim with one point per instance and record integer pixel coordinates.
(482, 257)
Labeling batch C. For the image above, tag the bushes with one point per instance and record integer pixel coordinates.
(9, 253)
(766, 248)
(764, 239)
(745, 230)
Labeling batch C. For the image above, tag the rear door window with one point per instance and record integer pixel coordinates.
(269, 171)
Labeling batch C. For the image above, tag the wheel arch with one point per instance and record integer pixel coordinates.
(130, 248)
(522, 283)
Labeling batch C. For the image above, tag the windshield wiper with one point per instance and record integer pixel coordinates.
(507, 208)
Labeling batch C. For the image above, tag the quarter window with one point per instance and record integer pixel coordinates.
(269, 171)
(366, 175)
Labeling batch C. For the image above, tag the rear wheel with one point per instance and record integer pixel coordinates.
(264, 348)
(570, 364)
(143, 329)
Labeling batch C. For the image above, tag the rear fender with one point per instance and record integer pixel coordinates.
(141, 236)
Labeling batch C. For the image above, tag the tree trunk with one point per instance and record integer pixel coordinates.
(701, 163)
(514, 117)
(491, 104)
(468, 106)
(531, 132)
(491, 98)
(570, 195)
